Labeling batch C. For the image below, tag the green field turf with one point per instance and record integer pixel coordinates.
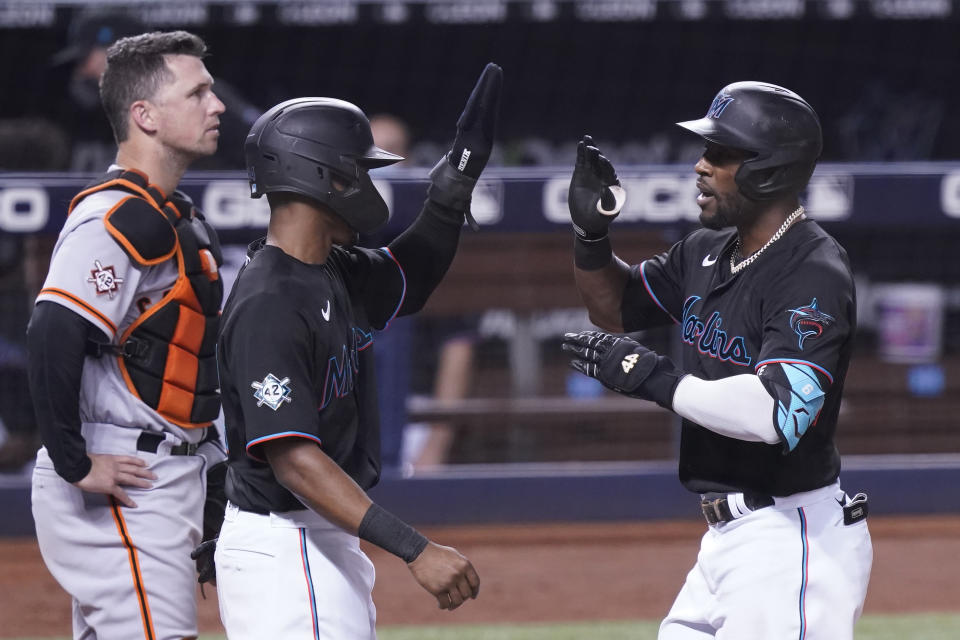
(874, 627)
(912, 627)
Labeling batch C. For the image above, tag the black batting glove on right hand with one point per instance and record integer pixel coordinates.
(595, 196)
(624, 365)
(454, 177)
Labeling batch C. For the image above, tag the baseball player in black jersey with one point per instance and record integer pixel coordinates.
(296, 370)
(765, 306)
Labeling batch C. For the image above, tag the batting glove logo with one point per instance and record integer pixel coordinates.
(629, 361)
(272, 391)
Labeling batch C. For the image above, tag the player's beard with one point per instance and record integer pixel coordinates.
(732, 210)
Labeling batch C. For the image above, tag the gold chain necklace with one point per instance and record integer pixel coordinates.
(736, 267)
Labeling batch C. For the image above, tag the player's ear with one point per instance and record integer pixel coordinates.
(143, 115)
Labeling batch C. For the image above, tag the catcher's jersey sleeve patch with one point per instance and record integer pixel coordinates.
(91, 275)
(104, 279)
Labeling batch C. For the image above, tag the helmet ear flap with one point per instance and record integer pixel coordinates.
(760, 180)
(760, 183)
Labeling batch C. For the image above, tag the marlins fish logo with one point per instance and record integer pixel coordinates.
(721, 102)
(808, 321)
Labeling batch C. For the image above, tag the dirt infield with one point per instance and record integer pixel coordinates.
(550, 573)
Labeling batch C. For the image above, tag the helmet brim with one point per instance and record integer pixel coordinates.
(710, 130)
(375, 157)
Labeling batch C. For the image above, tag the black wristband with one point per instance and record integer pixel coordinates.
(591, 255)
(662, 382)
(390, 533)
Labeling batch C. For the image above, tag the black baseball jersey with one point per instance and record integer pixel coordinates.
(295, 359)
(789, 317)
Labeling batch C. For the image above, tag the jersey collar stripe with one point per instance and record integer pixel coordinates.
(306, 572)
(646, 285)
(148, 632)
(403, 293)
(804, 573)
(80, 303)
(276, 436)
(790, 361)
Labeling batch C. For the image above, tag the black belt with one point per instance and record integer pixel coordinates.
(716, 506)
(150, 442)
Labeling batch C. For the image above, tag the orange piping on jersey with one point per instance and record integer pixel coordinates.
(148, 632)
(122, 239)
(80, 303)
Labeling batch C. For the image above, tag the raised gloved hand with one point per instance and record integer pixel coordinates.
(478, 124)
(595, 197)
(624, 365)
(454, 177)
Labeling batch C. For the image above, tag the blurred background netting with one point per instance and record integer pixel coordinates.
(479, 376)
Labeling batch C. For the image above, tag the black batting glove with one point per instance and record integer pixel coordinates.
(624, 365)
(478, 124)
(595, 196)
(206, 567)
(454, 177)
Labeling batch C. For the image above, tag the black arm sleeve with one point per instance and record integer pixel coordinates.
(425, 251)
(57, 339)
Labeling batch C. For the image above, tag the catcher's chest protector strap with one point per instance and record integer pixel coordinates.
(167, 356)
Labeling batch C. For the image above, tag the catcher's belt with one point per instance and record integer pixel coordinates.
(168, 355)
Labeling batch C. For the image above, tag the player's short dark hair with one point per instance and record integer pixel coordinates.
(136, 69)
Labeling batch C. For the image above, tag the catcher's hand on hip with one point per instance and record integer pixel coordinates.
(110, 473)
(595, 197)
(624, 365)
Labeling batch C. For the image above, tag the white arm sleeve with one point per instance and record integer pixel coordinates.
(737, 407)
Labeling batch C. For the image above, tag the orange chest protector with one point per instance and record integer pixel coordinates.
(168, 354)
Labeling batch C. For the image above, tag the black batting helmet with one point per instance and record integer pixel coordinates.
(775, 124)
(321, 148)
